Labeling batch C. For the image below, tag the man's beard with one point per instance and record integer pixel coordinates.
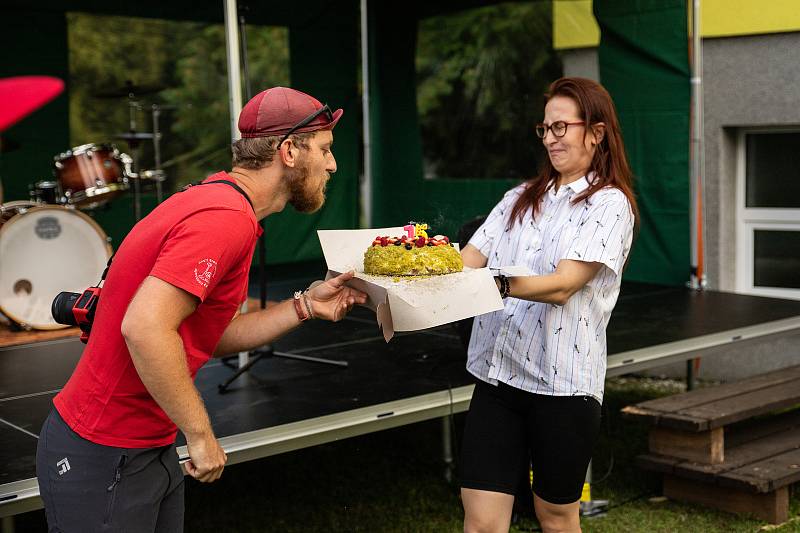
(301, 198)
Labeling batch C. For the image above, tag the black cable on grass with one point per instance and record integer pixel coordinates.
(608, 472)
(607, 420)
(633, 499)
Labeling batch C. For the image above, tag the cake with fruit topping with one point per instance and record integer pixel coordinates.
(419, 255)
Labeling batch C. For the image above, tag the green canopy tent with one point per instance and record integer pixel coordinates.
(643, 61)
(644, 64)
(332, 75)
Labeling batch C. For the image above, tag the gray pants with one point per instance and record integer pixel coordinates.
(87, 487)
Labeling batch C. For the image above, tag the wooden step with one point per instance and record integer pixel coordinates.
(714, 407)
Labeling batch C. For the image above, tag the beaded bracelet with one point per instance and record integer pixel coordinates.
(308, 304)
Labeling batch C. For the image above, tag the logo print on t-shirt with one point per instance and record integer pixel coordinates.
(204, 271)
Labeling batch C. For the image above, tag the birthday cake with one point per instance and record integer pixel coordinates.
(413, 254)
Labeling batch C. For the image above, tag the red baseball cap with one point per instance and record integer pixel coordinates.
(22, 95)
(278, 110)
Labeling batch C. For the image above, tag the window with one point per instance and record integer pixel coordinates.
(768, 213)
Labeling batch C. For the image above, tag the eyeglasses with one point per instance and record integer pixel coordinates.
(308, 120)
(558, 128)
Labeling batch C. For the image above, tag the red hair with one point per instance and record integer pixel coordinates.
(609, 162)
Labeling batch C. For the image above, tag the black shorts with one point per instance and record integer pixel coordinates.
(508, 428)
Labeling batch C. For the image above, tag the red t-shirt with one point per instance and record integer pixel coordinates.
(200, 240)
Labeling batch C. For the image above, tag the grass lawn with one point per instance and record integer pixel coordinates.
(393, 481)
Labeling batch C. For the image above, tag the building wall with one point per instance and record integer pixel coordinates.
(581, 62)
(747, 81)
(574, 25)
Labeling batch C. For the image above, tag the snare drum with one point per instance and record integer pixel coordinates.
(92, 174)
(46, 249)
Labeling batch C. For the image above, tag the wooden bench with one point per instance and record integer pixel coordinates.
(735, 447)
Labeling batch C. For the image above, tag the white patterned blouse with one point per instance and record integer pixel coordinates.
(540, 347)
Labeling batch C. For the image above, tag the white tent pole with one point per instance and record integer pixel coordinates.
(234, 65)
(234, 93)
(697, 178)
(366, 185)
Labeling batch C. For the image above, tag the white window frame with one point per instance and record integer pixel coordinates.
(749, 220)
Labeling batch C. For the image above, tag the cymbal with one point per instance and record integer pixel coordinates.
(130, 89)
(133, 136)
(22, 95)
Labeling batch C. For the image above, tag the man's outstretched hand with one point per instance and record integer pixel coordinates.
(332, 300)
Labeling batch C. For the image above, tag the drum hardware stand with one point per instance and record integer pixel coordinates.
(159, 176)
(134, 139)
(266, 351)
(157, 149)
(133, 106)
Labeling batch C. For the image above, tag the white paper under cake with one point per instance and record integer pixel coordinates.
(409, 304)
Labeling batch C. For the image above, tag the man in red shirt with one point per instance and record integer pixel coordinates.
(106, 458)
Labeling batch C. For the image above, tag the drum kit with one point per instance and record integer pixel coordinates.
(49, 243)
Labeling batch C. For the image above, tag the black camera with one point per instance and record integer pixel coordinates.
(76, 309)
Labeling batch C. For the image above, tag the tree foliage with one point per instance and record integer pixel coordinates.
(482, 74)
(187, 61)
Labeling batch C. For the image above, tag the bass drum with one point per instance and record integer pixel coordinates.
(44, 250)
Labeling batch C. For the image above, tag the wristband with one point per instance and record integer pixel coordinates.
(298, 307)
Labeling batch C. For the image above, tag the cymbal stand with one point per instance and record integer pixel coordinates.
(133, 107)
(156, 109)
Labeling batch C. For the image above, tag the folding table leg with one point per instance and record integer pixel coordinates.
(447, 448)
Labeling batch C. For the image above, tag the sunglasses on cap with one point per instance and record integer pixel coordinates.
(308, 120)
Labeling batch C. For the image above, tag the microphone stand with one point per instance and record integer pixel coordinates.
(267, 350)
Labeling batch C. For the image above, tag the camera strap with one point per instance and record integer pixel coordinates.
(226, 182)
(105, 272)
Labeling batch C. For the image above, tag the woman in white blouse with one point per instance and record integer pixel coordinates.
(541, 361)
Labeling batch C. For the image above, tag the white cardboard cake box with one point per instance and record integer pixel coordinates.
(413, 304)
